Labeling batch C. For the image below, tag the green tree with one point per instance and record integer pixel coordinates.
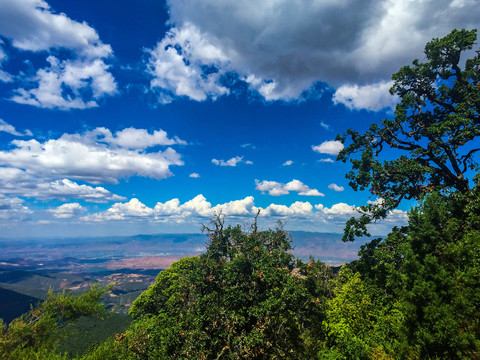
(247, 297)
(359, 324)
(430, 272)
(435, 124)
(35, 335)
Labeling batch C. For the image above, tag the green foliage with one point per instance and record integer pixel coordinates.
(430, 272)
(434, 127)
(89, 332)
(35, 334)
(246, 297)
(349, 318)
(358, 324)
(442, 300)
(412, 295)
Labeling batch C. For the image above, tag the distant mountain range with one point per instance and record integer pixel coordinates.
(146, 251)
(29, 267)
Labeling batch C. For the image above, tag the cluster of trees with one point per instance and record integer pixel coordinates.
(414, 294)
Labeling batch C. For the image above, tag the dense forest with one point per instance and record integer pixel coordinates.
(414, 294)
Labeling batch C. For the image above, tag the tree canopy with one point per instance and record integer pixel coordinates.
(246, 297)
(36, 334)
(434, 128)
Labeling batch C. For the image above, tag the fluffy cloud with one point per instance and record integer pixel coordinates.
(77, 76)
(43, 30)
(329, 147)
(84, 157)
(340, 212)
(335, 187)
(337, 209)
(231, 162)
(194, 175)
(20, 183)
(276, 189)
(69, 189)
(10, 129)
(272, 187)
(176, 65)
(336, 42)
(63, 84)
(172, 210)
(198, 210)
(198, 207)
(298, 208)
(11, 208)
(67, 211)
(236, 207)
(132, 138)
(326, 160)
(397, 216)
(370, 97)
(133, 209)
(287, 163)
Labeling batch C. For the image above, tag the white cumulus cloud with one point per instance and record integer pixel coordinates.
(176, 65)
(373, 97)
(67, 211)
(76, 75)
(298, 208)
(335, 187)
(131, 210)
(198, 207)
(335, 42)
(64, 82)
(199, 210)
(83, 157)
(235, 207)
(18, 182)
(337, 209)
(231, 162)
(275, 188)
(12, 208)
(10, 129)
(132, 138)
(329, 147)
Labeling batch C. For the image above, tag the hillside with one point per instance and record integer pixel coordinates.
(14, 304)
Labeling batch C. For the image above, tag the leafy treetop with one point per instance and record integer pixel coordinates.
(36, 334)
(435, 125)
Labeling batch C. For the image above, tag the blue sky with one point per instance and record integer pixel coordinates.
(122, 117)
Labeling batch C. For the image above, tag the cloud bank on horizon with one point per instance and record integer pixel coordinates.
(199, 210)
(280, 55)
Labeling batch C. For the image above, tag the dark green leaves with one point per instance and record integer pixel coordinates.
(435, 125)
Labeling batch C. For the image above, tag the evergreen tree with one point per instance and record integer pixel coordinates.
(436, 129)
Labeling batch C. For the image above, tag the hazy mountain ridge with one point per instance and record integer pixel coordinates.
(29, 267)
(87, 254)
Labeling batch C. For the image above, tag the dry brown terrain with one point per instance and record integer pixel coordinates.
(144, 262)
